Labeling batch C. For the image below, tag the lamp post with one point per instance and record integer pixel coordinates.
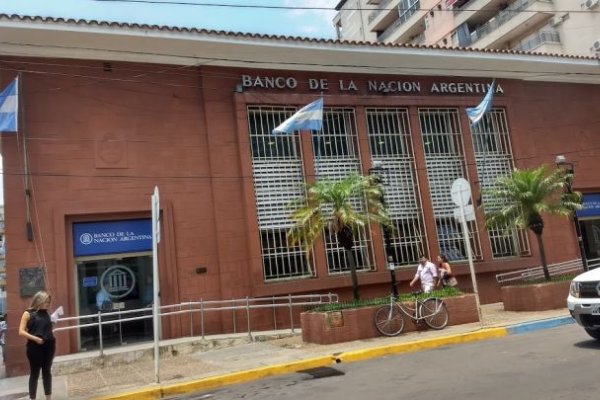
(561, 160)
(377, 171)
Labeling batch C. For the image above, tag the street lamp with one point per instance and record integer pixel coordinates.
(378, 172)
(561, 160)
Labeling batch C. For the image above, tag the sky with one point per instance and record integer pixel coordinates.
(305, 23)
(289, 22)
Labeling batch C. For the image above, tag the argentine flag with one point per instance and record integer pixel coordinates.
(308, 118)
(476, 113)
(9, 107)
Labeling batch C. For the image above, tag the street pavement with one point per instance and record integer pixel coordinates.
(549, 364)
(192, 364)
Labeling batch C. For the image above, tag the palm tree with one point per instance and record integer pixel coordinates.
(518, 201)
(332, 204)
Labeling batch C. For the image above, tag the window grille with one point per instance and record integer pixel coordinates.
(493, 156)
(445, 162)
(337, 156)
(391, 144)
(278, 178)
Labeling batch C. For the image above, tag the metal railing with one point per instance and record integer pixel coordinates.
(199, 309)
(501, 18)
(404, 16)
(537, 39)
(537, 273)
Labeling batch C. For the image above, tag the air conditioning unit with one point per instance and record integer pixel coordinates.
(589, 4)
(596, 46)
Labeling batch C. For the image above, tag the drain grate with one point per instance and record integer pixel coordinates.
(322, 372)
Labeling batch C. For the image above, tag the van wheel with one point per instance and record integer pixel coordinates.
(595, 333)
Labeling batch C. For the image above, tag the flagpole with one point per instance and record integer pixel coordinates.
(26, 181)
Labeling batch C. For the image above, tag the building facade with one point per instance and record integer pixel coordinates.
(114, 111)
(541, 26)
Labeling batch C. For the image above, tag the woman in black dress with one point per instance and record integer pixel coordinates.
(36, 327)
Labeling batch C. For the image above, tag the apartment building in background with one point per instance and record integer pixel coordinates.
(542, 26)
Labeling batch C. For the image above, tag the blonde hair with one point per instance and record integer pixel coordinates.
(38, 299)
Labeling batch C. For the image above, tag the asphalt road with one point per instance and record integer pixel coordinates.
(558, 363)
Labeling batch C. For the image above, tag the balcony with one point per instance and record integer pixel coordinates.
(405, 26)
(476, 11)
(419, 39)
(511, 23)
(541, 38)
(462, 5)
(382, 5)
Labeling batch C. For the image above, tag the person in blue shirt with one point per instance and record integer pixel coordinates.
(103, 301)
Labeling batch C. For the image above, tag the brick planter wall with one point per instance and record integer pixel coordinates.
(538, 297)
(357, 323)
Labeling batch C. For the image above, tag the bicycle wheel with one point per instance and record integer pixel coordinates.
(434, 312)
(388, 320)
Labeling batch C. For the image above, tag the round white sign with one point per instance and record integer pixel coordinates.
(461, 192)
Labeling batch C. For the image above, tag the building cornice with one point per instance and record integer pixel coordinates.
(110, 41)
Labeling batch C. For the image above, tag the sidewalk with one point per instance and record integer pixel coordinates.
(214, 362)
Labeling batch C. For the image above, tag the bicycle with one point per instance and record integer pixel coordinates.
(432, 310)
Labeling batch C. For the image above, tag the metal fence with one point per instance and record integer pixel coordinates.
(536, 273)
(197, 312)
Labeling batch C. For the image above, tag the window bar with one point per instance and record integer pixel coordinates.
(445, 162)
(493, 157)
(336, 156)
(278, 175)
(390, 142)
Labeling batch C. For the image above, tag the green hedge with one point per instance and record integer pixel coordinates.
(444, 292)
(557, 278)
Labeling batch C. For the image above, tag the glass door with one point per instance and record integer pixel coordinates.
(590, 231)
(112, 285)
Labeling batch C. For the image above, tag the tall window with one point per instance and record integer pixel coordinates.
(445, 162)
(336, 156)
(278, 177)
(493, 156)
(390, 143)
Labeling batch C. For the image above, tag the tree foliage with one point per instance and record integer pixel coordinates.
(520, 200)
(344, 207)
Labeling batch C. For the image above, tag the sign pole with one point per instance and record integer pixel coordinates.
(155, 280)
(465, 229)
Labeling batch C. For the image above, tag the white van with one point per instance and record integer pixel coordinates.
(584, 301)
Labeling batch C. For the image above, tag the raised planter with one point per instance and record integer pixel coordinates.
(357, 323)
(537, 297)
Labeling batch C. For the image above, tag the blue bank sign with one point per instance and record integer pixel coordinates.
(591, 206)
(111, 237)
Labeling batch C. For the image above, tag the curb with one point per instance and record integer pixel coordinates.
(541, 324)
(409, 347)
(160, 391)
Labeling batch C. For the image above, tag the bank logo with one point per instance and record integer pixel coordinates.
(118, 281)
(86, 238)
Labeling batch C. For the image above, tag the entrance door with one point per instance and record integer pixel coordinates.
(590, 231)
(111, 285)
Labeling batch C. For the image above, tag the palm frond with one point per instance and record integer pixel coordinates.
(517, 197)
(348, 203)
